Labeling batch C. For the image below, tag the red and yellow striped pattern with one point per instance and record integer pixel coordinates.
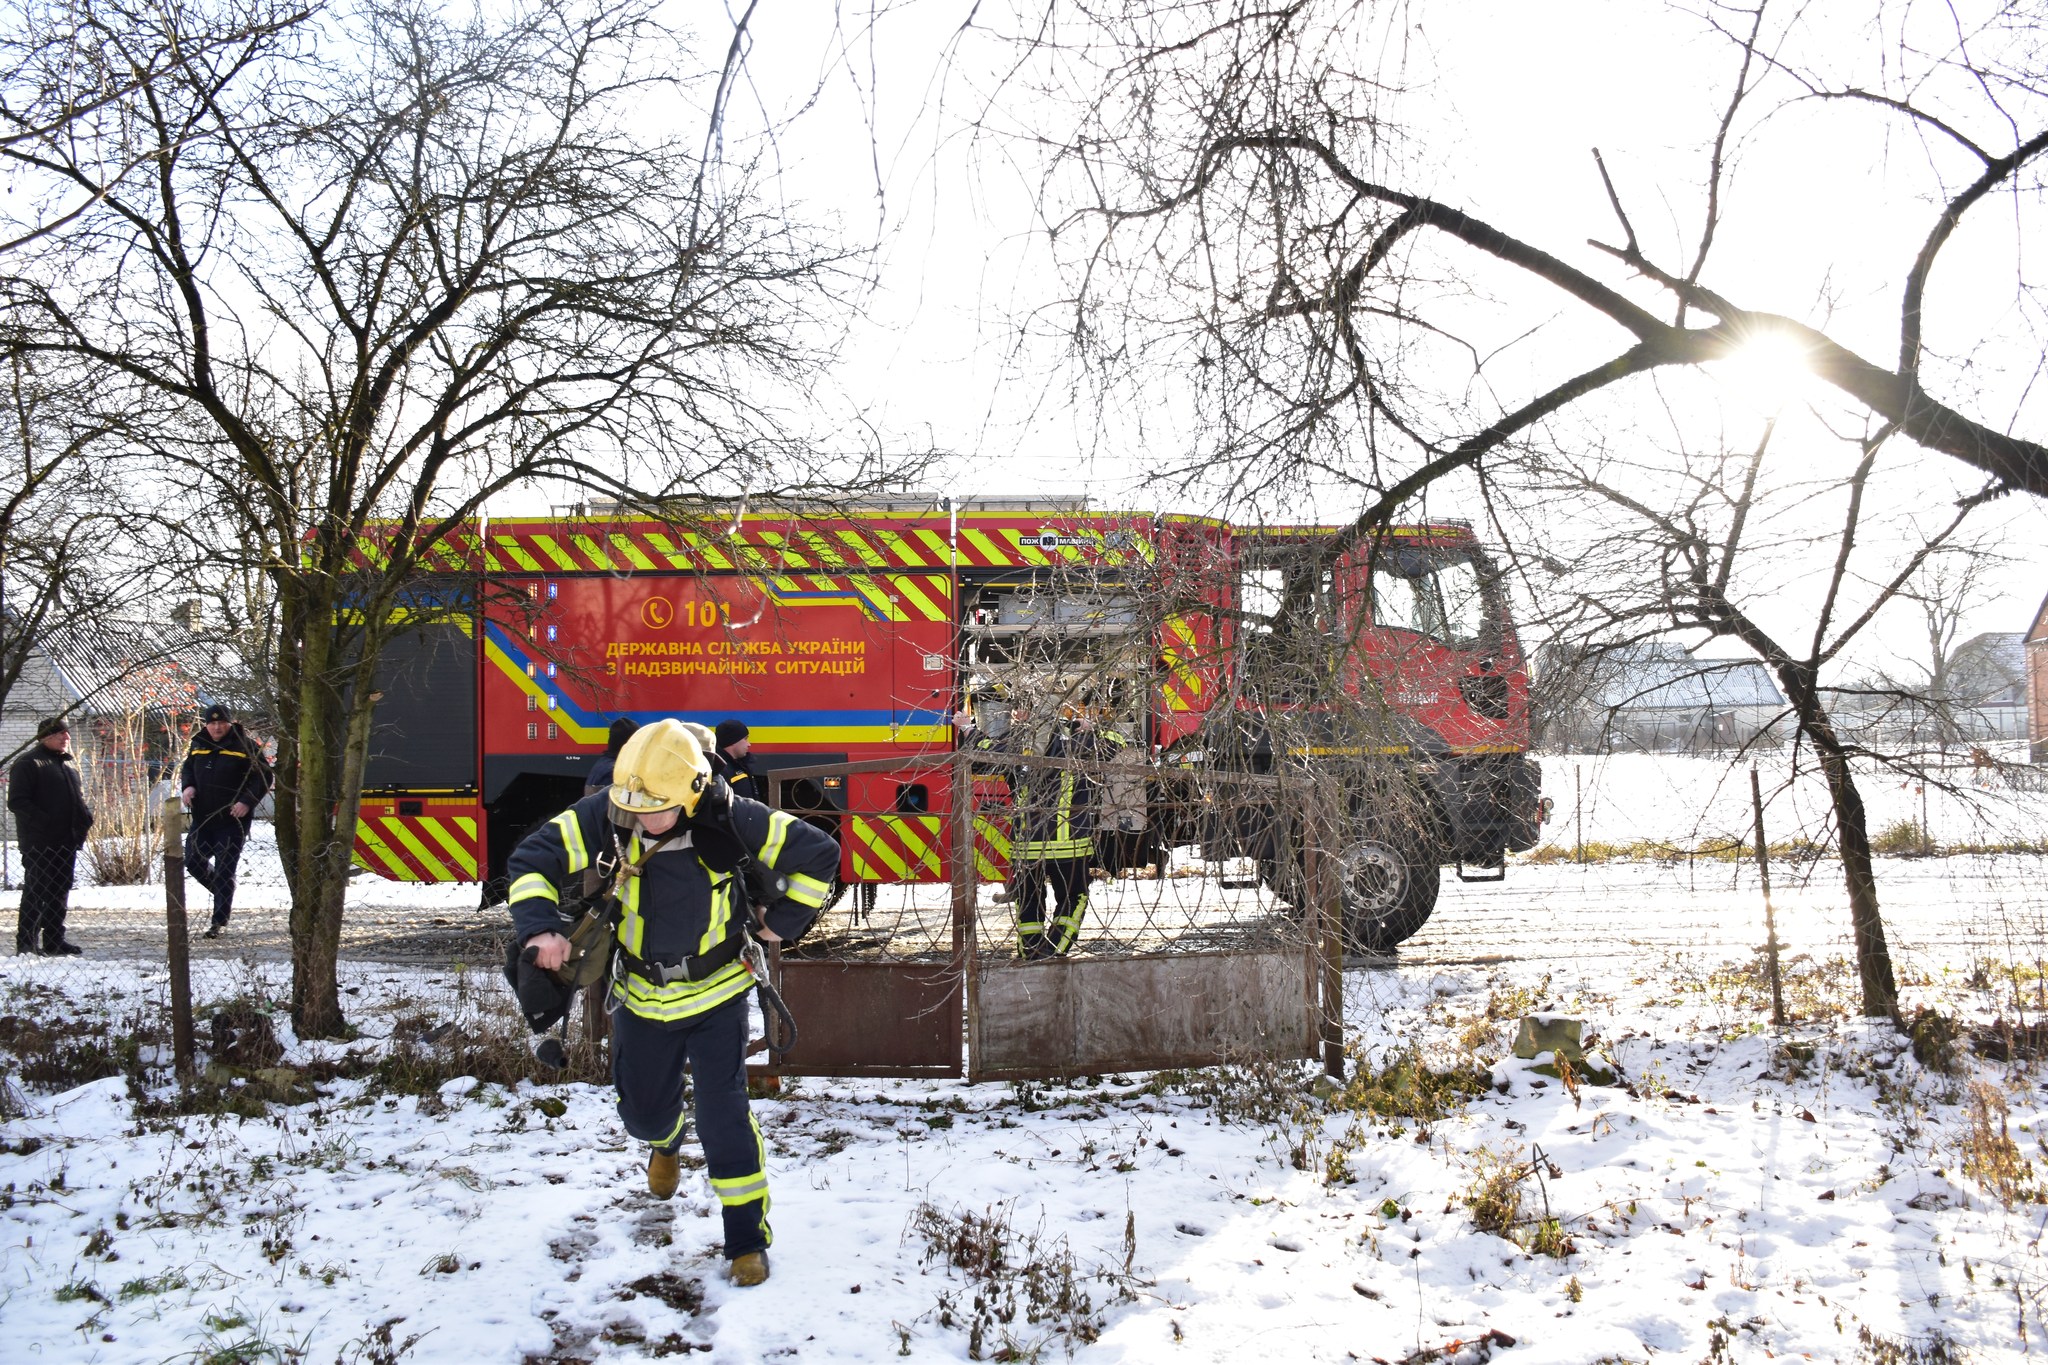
(777, 546)
(896, 848)
(992, 848)
(437, 845)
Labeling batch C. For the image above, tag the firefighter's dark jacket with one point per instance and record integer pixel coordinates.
(686, 900)
(1054, 808)
(48, 800)
(740, 774)
(223, 771)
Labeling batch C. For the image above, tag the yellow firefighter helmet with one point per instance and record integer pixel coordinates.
(662, 766)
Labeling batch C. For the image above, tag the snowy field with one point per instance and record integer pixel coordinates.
(1736, 1195)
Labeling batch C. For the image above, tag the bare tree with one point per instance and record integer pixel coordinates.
(373, 269)
(1719, 534)
(1244, 205)
(66, 530)
(1935, 699)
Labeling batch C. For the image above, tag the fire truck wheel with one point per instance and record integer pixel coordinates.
(1388, 891)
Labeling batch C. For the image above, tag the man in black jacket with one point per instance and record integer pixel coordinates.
(734, 760)
(223, 778)
(50, 824)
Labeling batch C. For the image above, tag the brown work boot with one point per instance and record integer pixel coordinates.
(663, 1171)
(750, 1269)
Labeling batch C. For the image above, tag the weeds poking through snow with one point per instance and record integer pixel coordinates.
(1012, 1273)
(1495, 1197)
(1496, 1200)
(1991, 1157)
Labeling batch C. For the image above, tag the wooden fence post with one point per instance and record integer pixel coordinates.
(1763, 871)
(1321, 886)
(178, 949)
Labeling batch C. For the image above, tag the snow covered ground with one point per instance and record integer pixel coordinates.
(1737, 1194)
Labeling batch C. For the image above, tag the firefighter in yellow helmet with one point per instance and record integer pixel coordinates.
(701, 868)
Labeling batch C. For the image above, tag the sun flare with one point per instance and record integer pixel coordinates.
(1768, 371)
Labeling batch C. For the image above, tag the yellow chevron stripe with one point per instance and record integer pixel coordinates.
(666, 548)
(516, 553)
(914, 594)
(435, 867)
(369, 549)
(827, 555)
(877, 597)
(920, 835)
(711, 554)
(900, 547)
(942, 553)
(370, 846)
(988, 548)
(630, 552)
(893, 867)
(458, 852)
(790, 558)
(593, 553)
(1183, 673)
(546, 545)
(867, 553)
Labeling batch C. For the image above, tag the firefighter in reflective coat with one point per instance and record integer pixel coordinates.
(679, 988)
(1052, 825)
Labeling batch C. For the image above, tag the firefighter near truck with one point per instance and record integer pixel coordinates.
(844, 636)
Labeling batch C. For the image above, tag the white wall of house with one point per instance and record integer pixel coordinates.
(39, 691)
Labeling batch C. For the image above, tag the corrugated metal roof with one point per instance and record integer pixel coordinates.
(131, 667)
(1665, 677)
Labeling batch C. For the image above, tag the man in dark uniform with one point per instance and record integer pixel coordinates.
(734, 760)
(684, 845)
(222, 780)
(1052, 827)
(600, 778)
(50, 824)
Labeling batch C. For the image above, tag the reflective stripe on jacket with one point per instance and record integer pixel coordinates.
(687, 898)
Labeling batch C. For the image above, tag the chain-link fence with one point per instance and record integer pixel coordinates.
(1645, 862)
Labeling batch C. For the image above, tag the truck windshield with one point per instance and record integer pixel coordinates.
(1437, 593)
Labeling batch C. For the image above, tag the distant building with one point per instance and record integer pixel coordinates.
(2037, 684)
(1987, 686)
(132, 690)
(1655, 697)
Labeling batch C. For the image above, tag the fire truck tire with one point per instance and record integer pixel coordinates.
(1388, 888)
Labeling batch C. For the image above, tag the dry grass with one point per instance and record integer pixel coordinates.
(123, 848)
(1727, 849)
(1990, 1156)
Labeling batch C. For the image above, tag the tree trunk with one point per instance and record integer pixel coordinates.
(1873, 957)
(1802, 688)
(330, 728)
(1852, 826)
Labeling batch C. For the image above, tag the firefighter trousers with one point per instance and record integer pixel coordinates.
(1069, 883)
(647, 1071)
(212, 852)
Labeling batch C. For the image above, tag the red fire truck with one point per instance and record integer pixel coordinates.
(855, 635)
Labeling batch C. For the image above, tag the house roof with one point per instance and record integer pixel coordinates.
(1664, 677)
(120, 667)
(2038, 632)
(1989, 668)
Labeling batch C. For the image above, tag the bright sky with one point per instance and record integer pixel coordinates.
(1825, 206)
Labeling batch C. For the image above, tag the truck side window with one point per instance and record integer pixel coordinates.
(1439, 598)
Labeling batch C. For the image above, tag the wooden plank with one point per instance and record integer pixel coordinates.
(1071, 1017)
(872, 1019)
